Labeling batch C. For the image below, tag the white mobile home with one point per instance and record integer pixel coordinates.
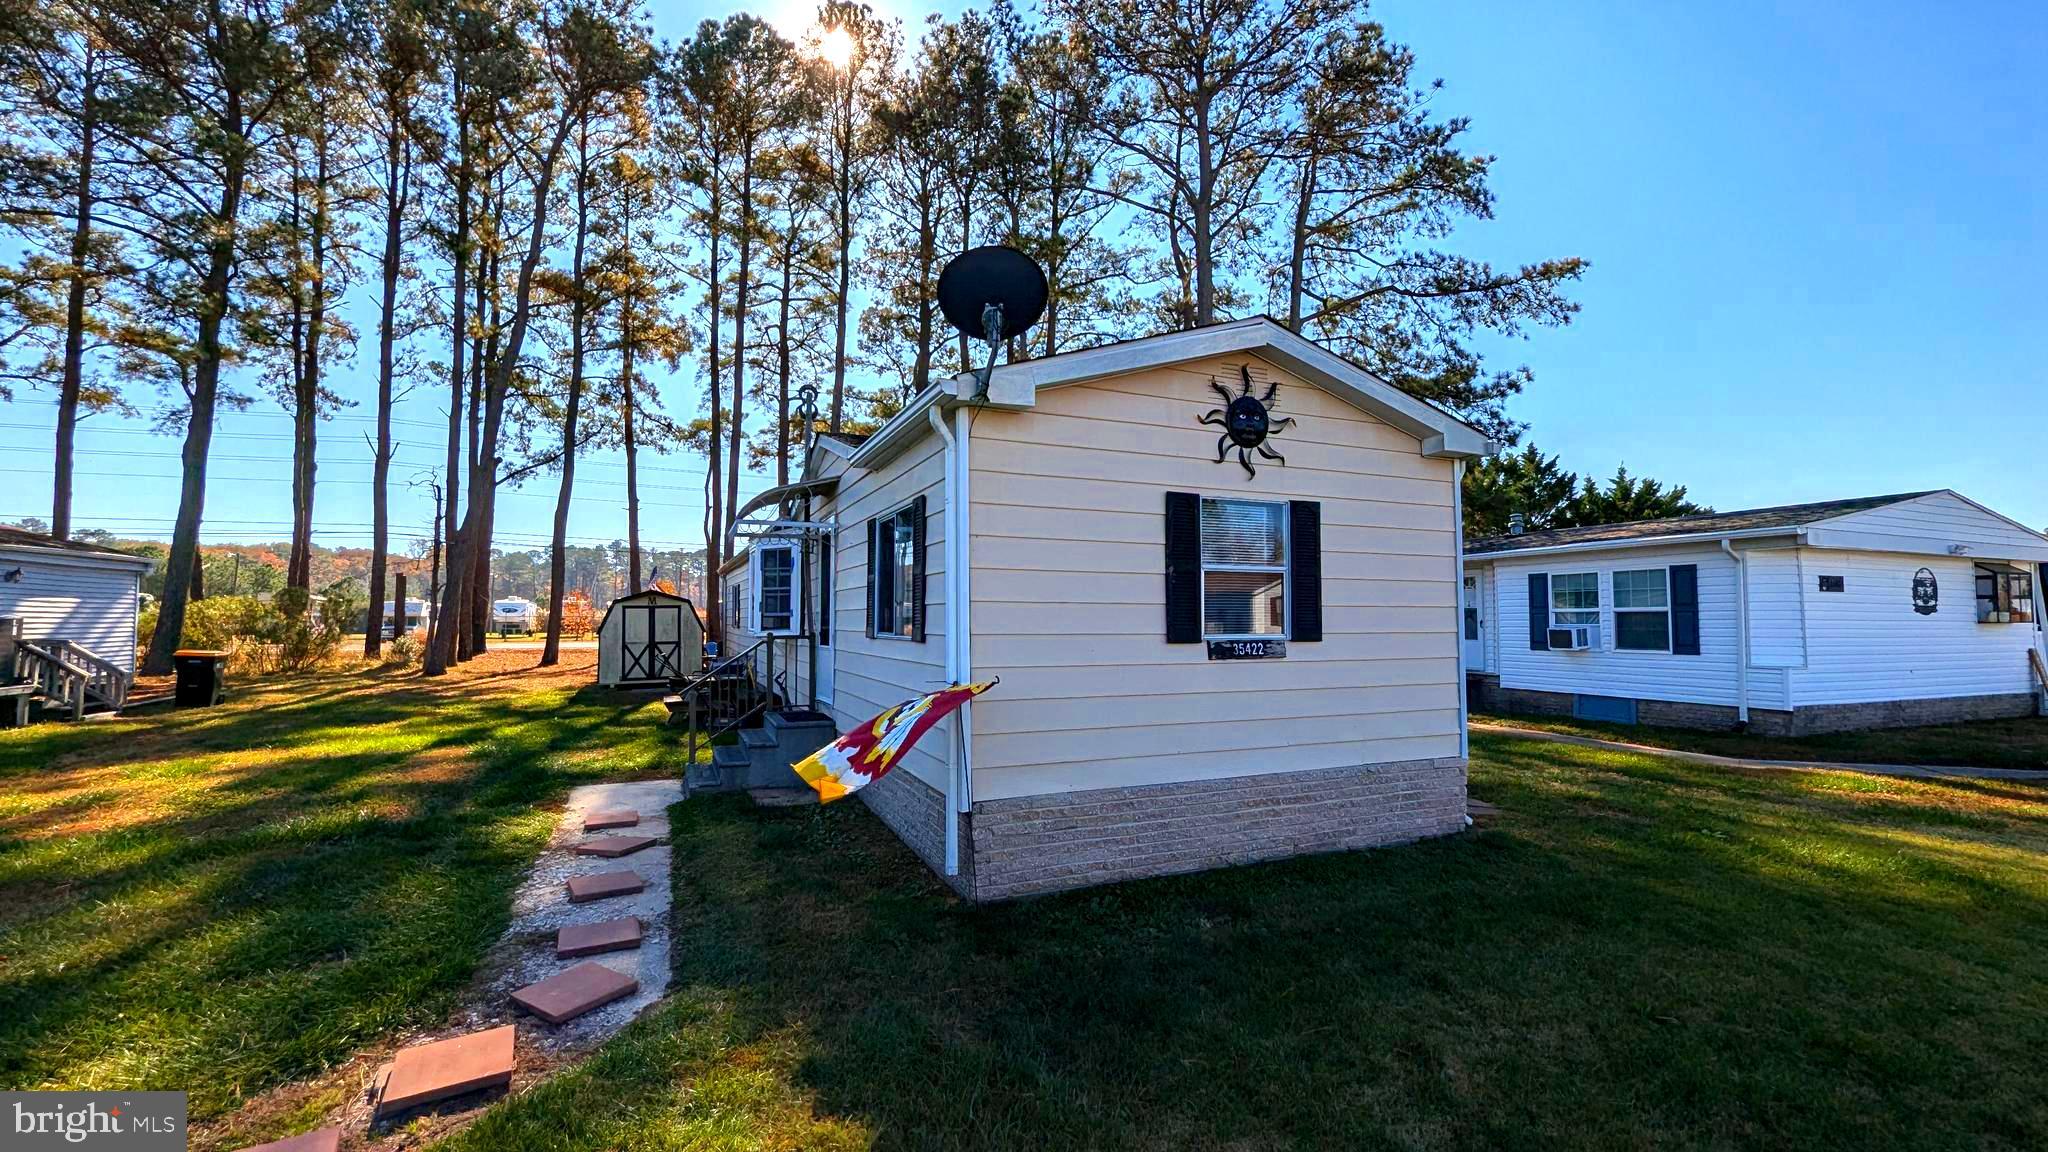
(1884, 611)
(1216, 572)
(71, 591)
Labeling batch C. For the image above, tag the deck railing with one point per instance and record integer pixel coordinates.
(727, 695)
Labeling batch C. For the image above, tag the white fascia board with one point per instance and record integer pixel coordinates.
(1845, 540)
(1440, 433)
(69, 558)
(901, 431)
(1507, 554)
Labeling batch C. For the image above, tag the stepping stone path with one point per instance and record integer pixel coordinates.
(584, 889)
(321, 1140)
(615, 846)
(425, 1073)
(567, 995)
(603, 936)
(612, 818)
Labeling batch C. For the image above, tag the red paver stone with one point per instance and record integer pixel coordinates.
(567, 995)
(604, 884)
(610, 818)
(615, 845)
(322, 1140)
(425, 1073)
(603, 936)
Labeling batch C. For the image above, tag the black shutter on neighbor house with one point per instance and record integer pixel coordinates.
(1539, 611)
(874, 577)
(1685, 609)
(1305, 570)
(1183, 568)
(917, 570)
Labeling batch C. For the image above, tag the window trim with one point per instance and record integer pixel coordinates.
(1665, 611)
(884, 553)
(1595, 609)
(1285, 570)
(758, 576)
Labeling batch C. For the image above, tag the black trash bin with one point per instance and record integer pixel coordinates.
(202, 677)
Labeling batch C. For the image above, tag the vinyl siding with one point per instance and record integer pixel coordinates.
(1941, 517)
(1777, 611)
(1068, 554)
(89, 604)
(873, 674)
(1708, 678)
(1866, 643)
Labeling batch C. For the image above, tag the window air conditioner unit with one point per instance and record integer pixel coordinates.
(1578, 639)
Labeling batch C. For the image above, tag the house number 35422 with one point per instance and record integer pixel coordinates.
(1247, 649)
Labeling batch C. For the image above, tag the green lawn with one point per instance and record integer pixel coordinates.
(1635, 954)
(223, 900)
(2019, 743)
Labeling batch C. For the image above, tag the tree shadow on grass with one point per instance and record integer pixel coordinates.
(1629, 957)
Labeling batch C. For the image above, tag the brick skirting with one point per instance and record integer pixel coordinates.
(1032, 844)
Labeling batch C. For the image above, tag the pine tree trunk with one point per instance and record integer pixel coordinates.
(441, 651)
(396, 191)
(739, 334)
(73, 382)
(214, 285)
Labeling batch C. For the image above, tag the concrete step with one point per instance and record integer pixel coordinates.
(612, 818)
(752, 738)
(604, 885)
(603, 936)
(425, 1073)
(613, 847)
(566, 995)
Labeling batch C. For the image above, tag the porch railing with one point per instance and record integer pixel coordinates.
(733, 691)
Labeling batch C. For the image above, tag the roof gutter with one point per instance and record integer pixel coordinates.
(1647, 542)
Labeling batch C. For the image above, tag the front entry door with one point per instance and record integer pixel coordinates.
(1475, 624)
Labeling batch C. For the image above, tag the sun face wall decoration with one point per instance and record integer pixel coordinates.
(1246, 421)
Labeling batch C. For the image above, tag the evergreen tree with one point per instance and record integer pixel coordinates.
(1626, 497)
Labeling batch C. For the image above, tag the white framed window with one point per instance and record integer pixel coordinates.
(1244, 569)
(1642, 610)
(1575, 600)
(775, 608)
(736, 606)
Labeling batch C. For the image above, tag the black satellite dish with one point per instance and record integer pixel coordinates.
(992, 277)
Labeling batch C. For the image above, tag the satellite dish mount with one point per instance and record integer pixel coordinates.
(993, 294)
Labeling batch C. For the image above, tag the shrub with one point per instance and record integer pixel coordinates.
(405, 651)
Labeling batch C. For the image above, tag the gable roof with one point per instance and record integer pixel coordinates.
(19, 538)
(1751, 521)
(1016, 385)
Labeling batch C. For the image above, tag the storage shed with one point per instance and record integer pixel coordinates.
(1216, 572)
(647, 637)
(71, 591)
(1879, 611)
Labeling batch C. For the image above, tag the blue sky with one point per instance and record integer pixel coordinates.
(1816, 234)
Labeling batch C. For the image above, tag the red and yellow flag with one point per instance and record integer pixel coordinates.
(869, 751)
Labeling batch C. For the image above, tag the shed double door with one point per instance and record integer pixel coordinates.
(651, 641)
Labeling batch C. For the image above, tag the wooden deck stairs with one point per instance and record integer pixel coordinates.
(57, 677)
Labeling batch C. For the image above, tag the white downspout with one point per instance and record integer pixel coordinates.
(1458, 581)
(963, 486)
(1741, 631)
(938, 422)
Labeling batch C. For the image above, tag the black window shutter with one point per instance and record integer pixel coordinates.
(1183, 568)
(1305, 570)
(917, 570)
(1539, 611)
(874, 577)
(1685, 609)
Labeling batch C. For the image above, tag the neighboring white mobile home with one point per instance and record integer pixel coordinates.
(1208, 654)
(67, 590)
(1884, 611)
